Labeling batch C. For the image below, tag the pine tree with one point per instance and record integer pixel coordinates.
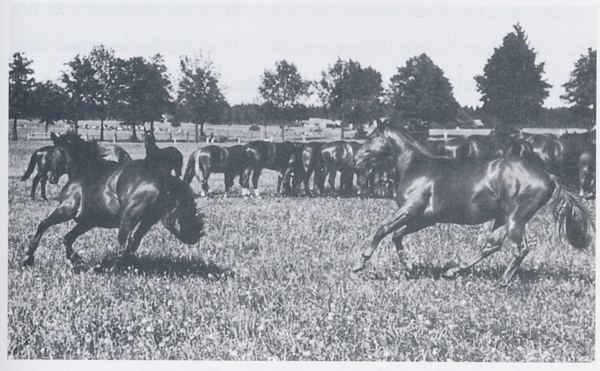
(512, 86)
(581, 88)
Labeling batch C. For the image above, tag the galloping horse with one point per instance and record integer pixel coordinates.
(339, 156)
(46, 158)
(283, 157)
(131, 197)
(432, 189)
(231, 161)
(168, 159)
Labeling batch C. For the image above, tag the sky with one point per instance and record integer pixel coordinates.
(243, 40)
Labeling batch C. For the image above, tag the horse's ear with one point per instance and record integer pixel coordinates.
(379, 123)
(53, 136)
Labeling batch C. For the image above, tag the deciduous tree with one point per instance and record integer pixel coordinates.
(82, 89)
(420, 91)
(352, 92)
(142, 91)
(199, 98)
(284, 88)
(50, 100)
(20, 90)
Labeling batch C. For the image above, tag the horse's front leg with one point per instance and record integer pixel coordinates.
(398, 220)
(60, 215)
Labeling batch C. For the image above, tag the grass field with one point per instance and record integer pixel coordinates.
(272, 280)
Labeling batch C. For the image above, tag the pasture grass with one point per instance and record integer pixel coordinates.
(272, 280)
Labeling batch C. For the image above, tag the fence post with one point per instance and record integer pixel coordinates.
(115, 138)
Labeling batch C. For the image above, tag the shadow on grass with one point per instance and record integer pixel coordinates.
(161, 266)
(523, 274)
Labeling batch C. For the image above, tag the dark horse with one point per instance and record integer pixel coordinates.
(45, 159)
(52, 162)
(572, 157)
(432, 189)
(482, 147)
(130, 197)
(313, 165)
(339, 156)
(283, 157)
(109, 152)
(168, 159)
(231, 161)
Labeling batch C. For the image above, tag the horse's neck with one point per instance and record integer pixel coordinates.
(408, 153)
(151, 147)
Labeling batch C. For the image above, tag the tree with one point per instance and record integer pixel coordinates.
(50, 100)
(200, 99)
(512, 87)
(142, 91)
(20, 86)
(103, 63)
(419, 91)
(351, 92)
(581, 88)
(283, 89)
(82, 90)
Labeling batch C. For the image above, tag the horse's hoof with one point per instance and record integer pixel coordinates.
(451, 270)
(28, 261)
(358, 267)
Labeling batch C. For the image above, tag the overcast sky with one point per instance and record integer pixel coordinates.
(244, 40)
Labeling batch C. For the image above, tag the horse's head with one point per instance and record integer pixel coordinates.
(149, 139)
(375, 149)
(58, 165)
(183, 220)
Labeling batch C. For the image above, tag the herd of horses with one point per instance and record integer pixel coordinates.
(464, 180)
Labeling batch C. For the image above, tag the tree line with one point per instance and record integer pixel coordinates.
(138, 90)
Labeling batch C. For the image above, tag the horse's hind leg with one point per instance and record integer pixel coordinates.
(493, 244)
(70, 238)
(36, 180)
(43, 182)
(205, 176)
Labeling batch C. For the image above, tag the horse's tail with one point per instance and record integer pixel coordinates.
(190, 169)
(31, 167)
(572, 217)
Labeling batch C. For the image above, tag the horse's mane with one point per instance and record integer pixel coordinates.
(84, 155)
(411, 141)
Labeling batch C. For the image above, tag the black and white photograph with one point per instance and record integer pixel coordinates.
(353, 184)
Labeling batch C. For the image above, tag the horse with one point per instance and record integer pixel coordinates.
(46, 158)
(482, 147)
(168, 159)
(283, 157)
(578, 161)
(131, 197)
(339, 156)
(108, 151)
(312, 163)
(434, 189)
(571, 157)
(231, 161)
